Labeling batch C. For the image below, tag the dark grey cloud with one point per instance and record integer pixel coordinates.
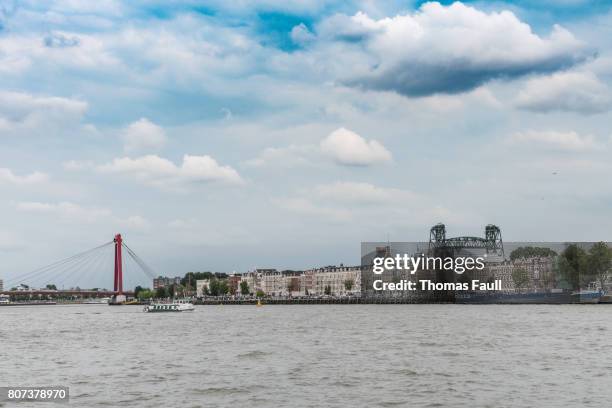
(414, 78)
(440, 49)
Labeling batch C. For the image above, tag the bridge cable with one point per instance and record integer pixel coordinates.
(88, 267)
(67, 273)
(145, 268)
(39, 271)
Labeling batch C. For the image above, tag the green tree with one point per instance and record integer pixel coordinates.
(599, 263)
(348, 285)
(531, 252)
(520, 278)
(214, 287)
(189, 281)
(260, 293)
(244, 288)
(51, 287)
(223, 287)
(328, 290)
(572, 265)
(161, 293)
(190, 278)
(137, 290)
(293, 285)
(144, 294)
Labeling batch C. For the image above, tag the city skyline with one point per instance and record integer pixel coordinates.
(284, 134)
(96, 264)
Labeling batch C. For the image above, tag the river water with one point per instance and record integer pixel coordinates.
(314, 355)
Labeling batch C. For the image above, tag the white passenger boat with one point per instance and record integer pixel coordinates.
(175, 306)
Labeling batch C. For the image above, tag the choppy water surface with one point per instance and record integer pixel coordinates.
(314, 355)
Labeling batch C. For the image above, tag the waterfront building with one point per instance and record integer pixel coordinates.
(341, 280)
(272, 282)
(294, 282)
(540, 273)
(502, 271)
(335, 280)
(268, 280)
(368, 277)
(1, 285)
(251, 279)
(482, 275)
(163, 282)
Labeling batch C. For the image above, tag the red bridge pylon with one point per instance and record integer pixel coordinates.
(118, 265)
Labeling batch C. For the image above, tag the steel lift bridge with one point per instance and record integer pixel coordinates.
(491, 243)
(442, 246)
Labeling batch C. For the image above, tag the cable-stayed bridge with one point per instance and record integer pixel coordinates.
(65, 276)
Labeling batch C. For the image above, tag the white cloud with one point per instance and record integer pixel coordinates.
(290, 156)
(343, 146)
(304, 206)
(7, 176)
(20, 53)
(565, 141)
(136, 222)
(580, 92)
(143, 135)
(102, 7)
(160, 172)
(345, 201)
(300, 34)
(66, 210)
(19, 105)
(76, 213)
(442, 49)
(182, 224)
(75, 165)
(348, 148)
(362, 193)
(23, 114)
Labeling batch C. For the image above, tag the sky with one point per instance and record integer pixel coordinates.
(227, 136)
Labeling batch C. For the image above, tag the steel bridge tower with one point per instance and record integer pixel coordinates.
(492, 242)
(118, 287)
(118, 298)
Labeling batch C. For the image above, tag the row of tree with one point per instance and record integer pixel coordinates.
(575, 265)
(531, 252)
(579, 267)
(190, 278)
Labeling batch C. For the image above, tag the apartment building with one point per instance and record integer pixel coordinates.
(335, 280)
(162, 281)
